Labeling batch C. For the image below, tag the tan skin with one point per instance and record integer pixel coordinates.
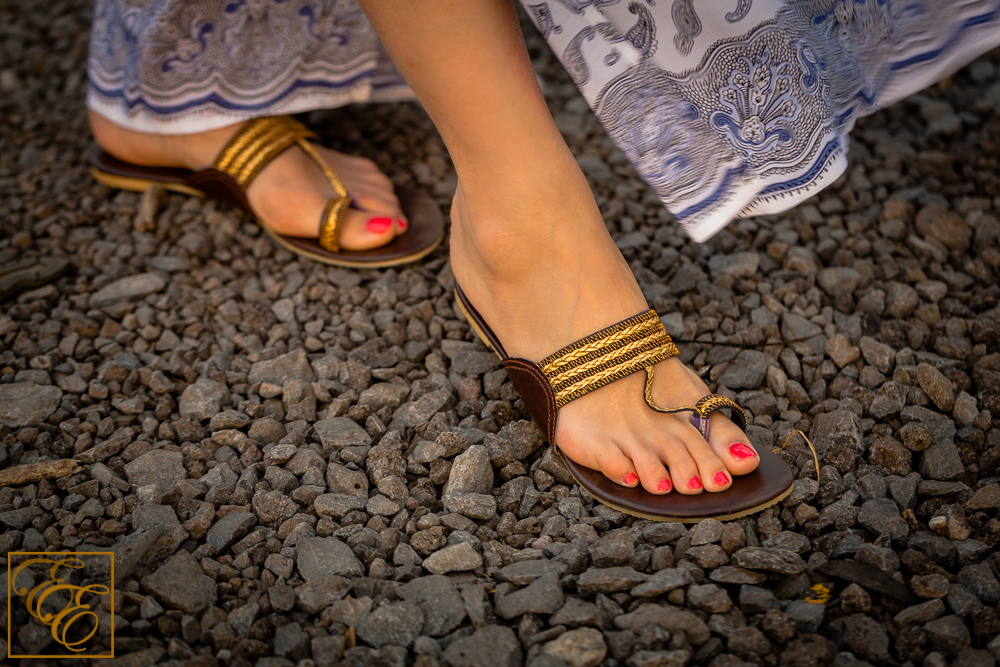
(529, 246)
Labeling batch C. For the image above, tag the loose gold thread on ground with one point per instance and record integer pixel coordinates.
(815, 456)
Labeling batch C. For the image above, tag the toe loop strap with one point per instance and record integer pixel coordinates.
(702, 410)
(332, 222)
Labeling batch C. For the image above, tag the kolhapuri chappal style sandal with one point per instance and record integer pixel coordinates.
(611, 354)
(257, 143)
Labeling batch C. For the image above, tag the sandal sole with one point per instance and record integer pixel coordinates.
(302, 247)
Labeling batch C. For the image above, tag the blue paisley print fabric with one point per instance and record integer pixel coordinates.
(737, 108)
(180, 66)
(727, 109)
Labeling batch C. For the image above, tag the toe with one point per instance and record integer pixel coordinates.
(732, 446)
(712, 472)
(685, 476)
(364, 230)
(652, 474)
(599, 454)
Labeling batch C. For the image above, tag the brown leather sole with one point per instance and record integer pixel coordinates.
(767, 485)
(424, 234)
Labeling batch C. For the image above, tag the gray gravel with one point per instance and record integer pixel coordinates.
(303, 465)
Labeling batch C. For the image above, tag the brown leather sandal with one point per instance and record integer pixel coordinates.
(611, 354)
(247, 153)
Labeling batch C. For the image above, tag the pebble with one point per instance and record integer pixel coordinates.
(129, 287)
(396, 624)
(459, 557)
(542, 596)
(203, 399)
(937, 387)
(25, 404)
(584, 647)
(180, 584)
(781, 561)
(323, 557)
(489, 645)
(439, 600)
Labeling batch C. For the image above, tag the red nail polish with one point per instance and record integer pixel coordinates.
(720, 478)
(664, 485)
(402, 223)
(630, 479)
(739, 451)
(379, 225)
(694, 483)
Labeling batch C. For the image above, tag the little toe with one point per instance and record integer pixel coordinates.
(601, 455)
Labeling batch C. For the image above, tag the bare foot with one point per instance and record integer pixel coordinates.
(541, 268)
(289, 193)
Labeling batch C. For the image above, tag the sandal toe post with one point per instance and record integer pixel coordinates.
(611, 354)
(258, 142)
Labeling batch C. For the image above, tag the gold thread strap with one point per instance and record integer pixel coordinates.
(258, 142)
(607, 356)
(332, 222)
(703, 408)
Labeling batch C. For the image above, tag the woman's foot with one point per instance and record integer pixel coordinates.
(289, 194)
(535, 258)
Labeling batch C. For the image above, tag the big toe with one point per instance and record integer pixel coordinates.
(732, 446)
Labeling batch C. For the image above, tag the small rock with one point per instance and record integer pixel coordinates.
(180, 583)
(396, 624)
(203, 399)
(471, 472)
(323, 557)
(489, 645)
(26, 404)
(542, 596)
(937, 387)
(781, 561)
(128, 288)
(459, 557)
(584, 647)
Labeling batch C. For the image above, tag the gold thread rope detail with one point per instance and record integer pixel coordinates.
(815, 456)
(332, 222)
(703, 408)
(606, 356)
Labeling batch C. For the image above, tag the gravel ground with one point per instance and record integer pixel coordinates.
(299, 465)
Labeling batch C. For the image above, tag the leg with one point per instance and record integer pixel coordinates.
(529, 246)
(290, 192)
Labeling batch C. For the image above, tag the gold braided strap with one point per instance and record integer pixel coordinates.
(332, 222)
(606, 356)
(256, 144)
(702, 409)
(263, 139)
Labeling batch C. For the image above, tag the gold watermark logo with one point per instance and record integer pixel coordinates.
(73, 613)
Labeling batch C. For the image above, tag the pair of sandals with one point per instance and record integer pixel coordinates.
(593, 362)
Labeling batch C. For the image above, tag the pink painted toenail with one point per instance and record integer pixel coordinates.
(630, 479)
(740, 451)
(664, 485)
(694, 483)
(720, 478)
(402, 223)
(379, 225)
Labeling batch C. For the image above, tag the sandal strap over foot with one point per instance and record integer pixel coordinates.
(261, 140)
(702, 410)
(606, 356)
